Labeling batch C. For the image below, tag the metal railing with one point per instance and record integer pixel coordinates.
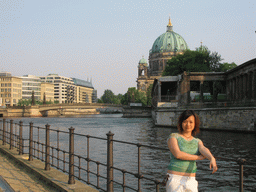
(53, 154)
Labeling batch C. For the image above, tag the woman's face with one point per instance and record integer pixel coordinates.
(188, 125)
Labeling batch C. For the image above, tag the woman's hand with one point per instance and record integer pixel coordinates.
(213, 165)
(206, 152)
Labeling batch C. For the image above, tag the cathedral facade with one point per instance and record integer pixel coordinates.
(164, 48)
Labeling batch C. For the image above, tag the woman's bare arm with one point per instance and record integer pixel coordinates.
(175, 150)
(206, 152)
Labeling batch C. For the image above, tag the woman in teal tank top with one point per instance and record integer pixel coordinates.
(185, 151)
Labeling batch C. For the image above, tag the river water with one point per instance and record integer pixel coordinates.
(154, 162)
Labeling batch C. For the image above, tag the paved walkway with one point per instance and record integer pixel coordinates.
(19, 178)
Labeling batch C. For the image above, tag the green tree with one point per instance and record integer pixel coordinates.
(100, 101)
(134, 96)
(124, 100)
(215, 60)
(200, 60)
(108, 96)
(190, 61)
(33, 98)
(24, 102)
(148, 94)
(227, 66)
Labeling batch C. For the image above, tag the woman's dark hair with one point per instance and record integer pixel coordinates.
(186, 114)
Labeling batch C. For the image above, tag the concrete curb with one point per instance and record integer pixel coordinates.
(53, 177)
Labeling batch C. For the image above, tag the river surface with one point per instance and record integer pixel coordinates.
(154, 162)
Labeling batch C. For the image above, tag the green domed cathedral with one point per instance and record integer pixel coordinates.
(164, 48)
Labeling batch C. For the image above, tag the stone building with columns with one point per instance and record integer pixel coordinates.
(164, 48)
(241, 82)
(238, 86)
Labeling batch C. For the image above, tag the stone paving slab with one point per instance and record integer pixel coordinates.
(18, 178)
(23, 175)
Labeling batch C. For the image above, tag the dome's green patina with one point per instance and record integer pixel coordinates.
(169, 42)
(143, 61)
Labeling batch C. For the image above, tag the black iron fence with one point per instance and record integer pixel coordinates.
(44, 144)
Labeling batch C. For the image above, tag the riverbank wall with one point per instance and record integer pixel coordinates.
(137, 112)
(35, 112)
(227, 119)
(31, 111)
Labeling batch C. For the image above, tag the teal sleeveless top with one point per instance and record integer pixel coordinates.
(190, 147)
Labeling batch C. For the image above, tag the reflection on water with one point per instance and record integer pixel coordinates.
(154, 162)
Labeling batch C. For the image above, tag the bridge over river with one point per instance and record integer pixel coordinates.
(64, 109)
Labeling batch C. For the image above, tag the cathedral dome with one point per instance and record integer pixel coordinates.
(169, 42)
(143, 61)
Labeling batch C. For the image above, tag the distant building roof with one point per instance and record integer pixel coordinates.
(83, 83)
(6, 74)
(143, 61)
(169, 42)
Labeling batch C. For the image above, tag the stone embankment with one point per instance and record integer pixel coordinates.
(59, 110)
(110, 110)
(225, 118)
(136, 112)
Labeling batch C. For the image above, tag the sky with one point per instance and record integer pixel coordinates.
(104, 40)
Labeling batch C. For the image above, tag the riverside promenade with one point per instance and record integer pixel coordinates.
(19, 174)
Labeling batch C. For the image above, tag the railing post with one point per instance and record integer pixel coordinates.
(21, 139)
(47, 147)
(71, 179)
(1, 129)
(241, 162)
(3, 132)
(139, 175)
(88, 159)
(30, 141)
(110, 161)
(11, 134)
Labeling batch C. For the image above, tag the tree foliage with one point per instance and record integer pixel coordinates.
(33, 98)
(108, 97)
(135, 96)
(227, 66)
(200, 60)
(131, 96)
(28, 102)
(148, 95)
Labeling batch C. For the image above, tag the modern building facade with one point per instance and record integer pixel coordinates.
(11, 89)
(47, 91)
(164, 48)
(84, 91)
(71, 90)
(31, 83)
(63, 87)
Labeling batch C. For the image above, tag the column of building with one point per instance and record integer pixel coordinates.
(254, 85)
(159, 91)
(201, 91)
(242, 87)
